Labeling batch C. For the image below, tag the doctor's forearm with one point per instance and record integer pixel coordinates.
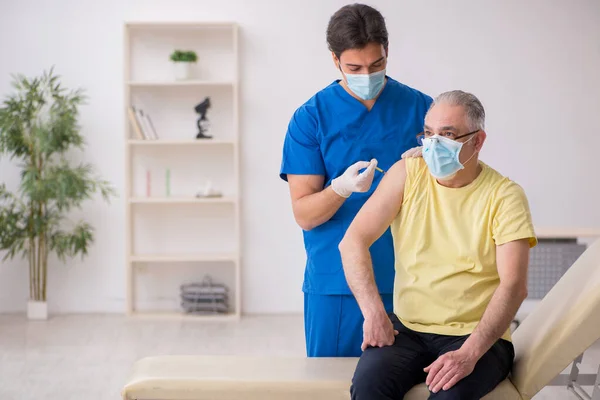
(358, 268)
(496, 319)
(315, 209)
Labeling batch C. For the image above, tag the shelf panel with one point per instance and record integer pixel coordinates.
(175, 315)
(180, 24)
(183, 200)
(191, 83)
(203, 257)
(182, 142)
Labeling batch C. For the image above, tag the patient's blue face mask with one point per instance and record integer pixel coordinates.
(442, 155)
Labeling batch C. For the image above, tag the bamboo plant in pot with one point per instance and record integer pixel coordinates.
(39, 129)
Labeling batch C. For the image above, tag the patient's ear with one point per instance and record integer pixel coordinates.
(480, 140)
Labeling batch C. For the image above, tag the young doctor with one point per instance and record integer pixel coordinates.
(336, 148)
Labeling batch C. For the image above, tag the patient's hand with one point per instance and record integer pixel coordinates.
(378, 331)
(412, 153)
(448, 369)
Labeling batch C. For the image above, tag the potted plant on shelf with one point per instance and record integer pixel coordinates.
(39, 128)
(182, 61)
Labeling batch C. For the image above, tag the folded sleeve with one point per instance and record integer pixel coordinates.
(301, 150)
(512, 220)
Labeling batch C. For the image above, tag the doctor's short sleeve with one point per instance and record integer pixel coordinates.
(301, 151)
(512, 220)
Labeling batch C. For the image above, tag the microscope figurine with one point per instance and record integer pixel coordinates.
(203, 123)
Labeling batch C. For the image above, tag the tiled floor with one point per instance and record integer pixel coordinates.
(89, 356)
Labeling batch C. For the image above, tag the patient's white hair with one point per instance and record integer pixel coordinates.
(473, 107)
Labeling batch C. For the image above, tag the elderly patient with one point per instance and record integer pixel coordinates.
(462, 234)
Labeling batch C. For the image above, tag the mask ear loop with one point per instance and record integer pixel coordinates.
(340, 67)
(472, 155)
(343, 73)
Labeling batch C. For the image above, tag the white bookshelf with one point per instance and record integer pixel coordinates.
(172, 236)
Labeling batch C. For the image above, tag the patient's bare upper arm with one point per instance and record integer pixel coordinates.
(377, 214)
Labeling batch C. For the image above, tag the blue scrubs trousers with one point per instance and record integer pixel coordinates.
(333, 324)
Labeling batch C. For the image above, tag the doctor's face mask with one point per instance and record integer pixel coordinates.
(364, 70)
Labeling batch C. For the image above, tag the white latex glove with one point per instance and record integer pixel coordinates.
(351, 181)
(413, 153)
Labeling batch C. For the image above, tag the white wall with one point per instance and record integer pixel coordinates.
(534, 64)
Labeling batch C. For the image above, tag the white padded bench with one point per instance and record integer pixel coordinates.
(230, 377)
(562, 327)
(255, 378)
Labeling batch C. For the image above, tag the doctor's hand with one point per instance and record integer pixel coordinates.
(413, 153)
(352, 181)
(378, 331)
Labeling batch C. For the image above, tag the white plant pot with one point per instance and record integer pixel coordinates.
(37, 310)
(182, 70)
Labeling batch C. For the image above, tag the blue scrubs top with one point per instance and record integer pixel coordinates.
(326, 135)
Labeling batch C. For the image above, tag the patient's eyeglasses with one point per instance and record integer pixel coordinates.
(447, 134)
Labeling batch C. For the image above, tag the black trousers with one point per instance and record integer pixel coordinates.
(390, 372)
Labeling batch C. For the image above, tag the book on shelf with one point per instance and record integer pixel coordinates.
(134, 123)
(142, 124)
(147, 123)
(151, 125)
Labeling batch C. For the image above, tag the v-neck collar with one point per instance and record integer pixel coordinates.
(351, 98)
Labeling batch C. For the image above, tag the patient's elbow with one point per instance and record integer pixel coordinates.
(520, 291)
(342, 245)
(346, 245)
(523, 293)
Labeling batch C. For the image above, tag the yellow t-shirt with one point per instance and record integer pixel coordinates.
(445, 246)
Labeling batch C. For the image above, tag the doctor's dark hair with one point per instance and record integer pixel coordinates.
(354, 26)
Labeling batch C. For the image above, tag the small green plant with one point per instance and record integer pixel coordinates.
(38, 129)
(184, 56)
